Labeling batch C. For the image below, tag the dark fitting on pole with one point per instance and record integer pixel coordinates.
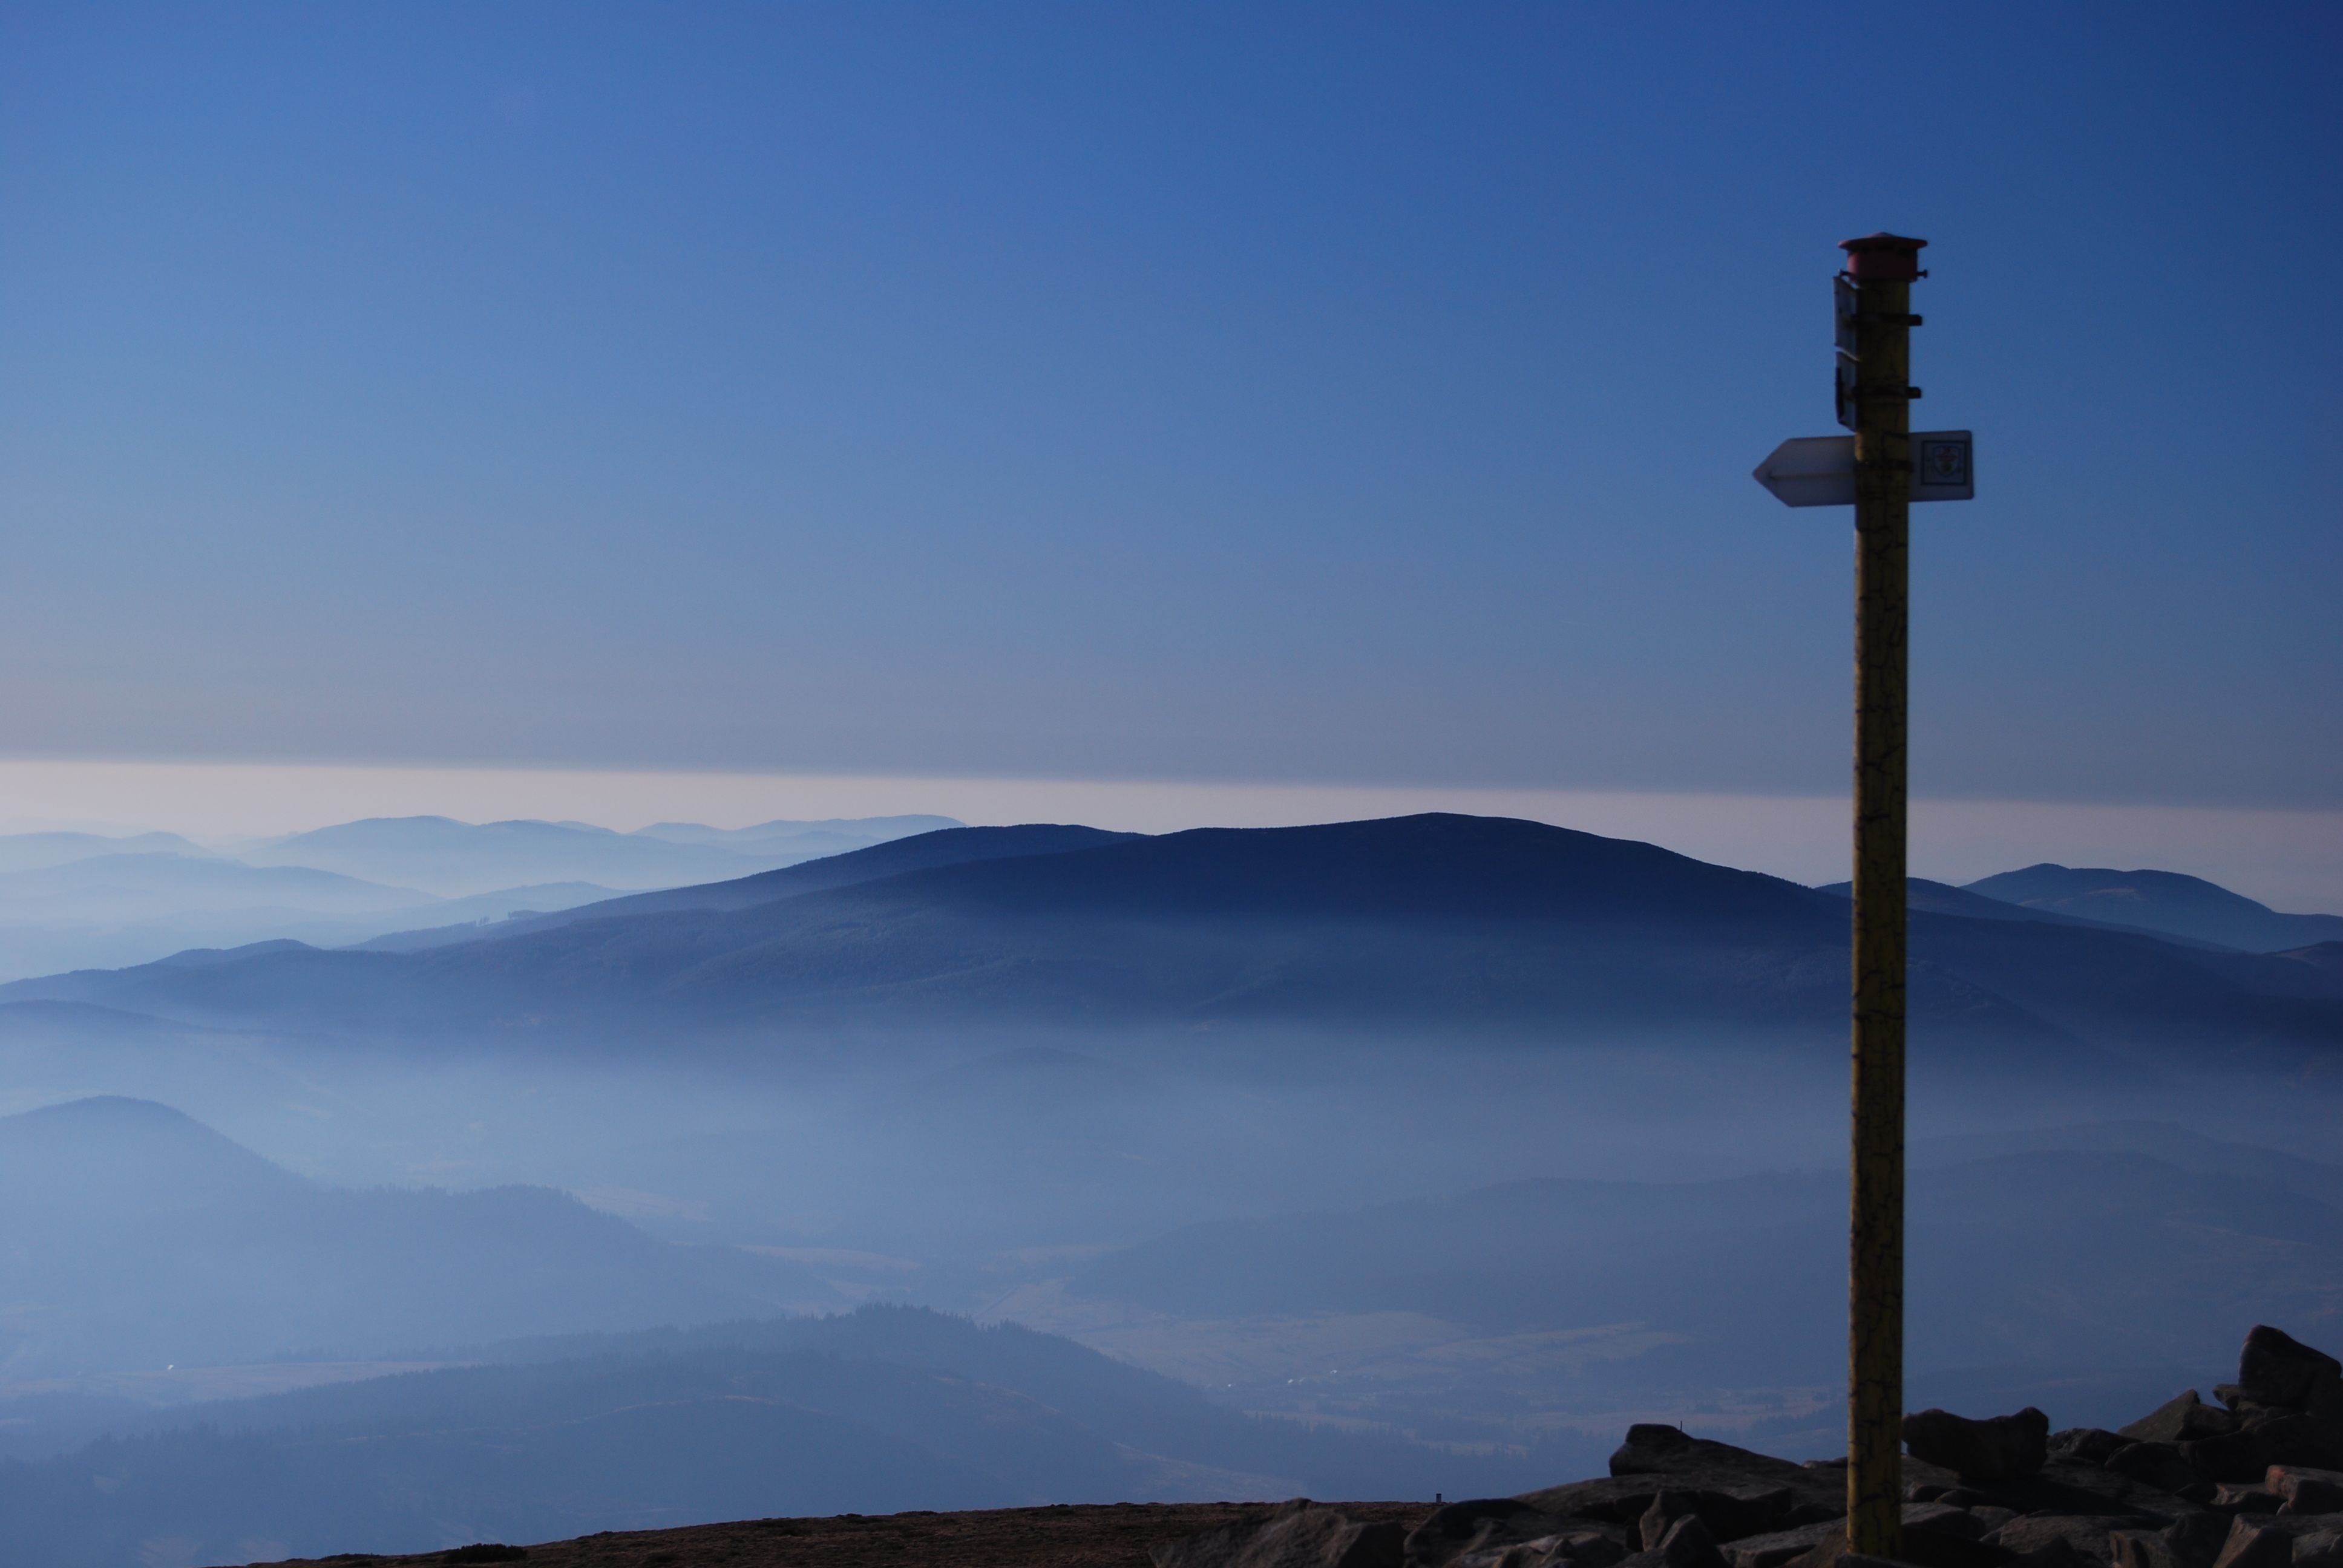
(1883, 258)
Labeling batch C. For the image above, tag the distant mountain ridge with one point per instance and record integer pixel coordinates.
(1943, 899)
(1437, 921)
(2159, 901)
(83, 900)
(944, 847)
(829, 836)
(453, 859)
(38, 851)
(884, 1409)
(108, 909)
(132, 1235)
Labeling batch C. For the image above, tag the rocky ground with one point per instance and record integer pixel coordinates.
(2253, 1481)
(1116, 1536)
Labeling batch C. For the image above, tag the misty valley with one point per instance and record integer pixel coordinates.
(856, 1167)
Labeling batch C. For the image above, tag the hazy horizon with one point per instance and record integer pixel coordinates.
(2289, 860)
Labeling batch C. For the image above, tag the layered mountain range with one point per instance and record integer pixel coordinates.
(79, 900)
(2089, 1281)
(1453, 922)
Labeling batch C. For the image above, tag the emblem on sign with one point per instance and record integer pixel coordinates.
(1819, 470)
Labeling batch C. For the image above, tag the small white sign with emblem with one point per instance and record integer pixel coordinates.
(1819, 470)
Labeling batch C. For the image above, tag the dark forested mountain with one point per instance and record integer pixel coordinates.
(2162, 902)
(131, 1235)
(1446, 921)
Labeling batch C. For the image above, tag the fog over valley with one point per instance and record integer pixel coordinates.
(1362, 1160)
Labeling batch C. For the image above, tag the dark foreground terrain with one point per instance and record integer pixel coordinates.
(1109, 1536)
(2252, 1481)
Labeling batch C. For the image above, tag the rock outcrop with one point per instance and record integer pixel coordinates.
(2302, 1489)
(2184, 1416)
(2254, 1481)
(2279, 1374)
(1300, 1534)
(2006, 1448)
(1490, 1530)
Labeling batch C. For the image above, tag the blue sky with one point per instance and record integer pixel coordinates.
(1357, 394)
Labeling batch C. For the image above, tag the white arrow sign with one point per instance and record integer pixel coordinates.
(1819, 470)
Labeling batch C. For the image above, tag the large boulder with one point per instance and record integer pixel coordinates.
(2088, 1534)
(1779, 1546)
(2005, 1448)
(2090, 1444)
(1730, 1507)
(1923, 1547)
(2246, 1455)
(2277, 1372)
(1298, 1535)
(2070, 1486)
(2269, 1540)
(1943, 1519)
(2052, 1553)
(2302, 1489)
(2183, 1416)
(1680, 1542)
(2322, 1549)
(1737, 1493)
(2194, 1540)
(1666, 1508)
(1783, 1546)
(1651, 1449)
(2160, 1465)
(1488, 1531)
(2255, 1545)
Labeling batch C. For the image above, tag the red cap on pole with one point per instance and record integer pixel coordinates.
(1882, 258)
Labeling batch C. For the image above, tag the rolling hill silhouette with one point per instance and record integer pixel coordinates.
(132, 1235)
(35, 851)
(1432, 921)
(1943, 899)
(944, 846)
(456, 858)
(882, 1410)
(2162, 902)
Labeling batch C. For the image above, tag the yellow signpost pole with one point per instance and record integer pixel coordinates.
(1882, 268)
